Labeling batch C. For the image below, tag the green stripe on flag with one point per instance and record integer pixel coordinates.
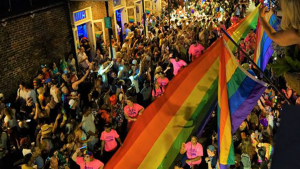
(196, 119)
(236, 80)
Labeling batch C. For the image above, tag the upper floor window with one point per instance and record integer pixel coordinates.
(80, 15)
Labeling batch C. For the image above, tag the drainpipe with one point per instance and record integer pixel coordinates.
(144, 17)
(109, 30)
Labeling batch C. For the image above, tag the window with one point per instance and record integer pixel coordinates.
(80, 15)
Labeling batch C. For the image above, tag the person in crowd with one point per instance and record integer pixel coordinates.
(71, 63)
(241, 55)
(83, 58)
(88, 127)
(163, 80)
(195, 50)
(85, 43)
(10, 123)
(3, 147)
(146, 93)
(250, 41)
(53, 163)
(290, 24)
(212, 159)
(36, 155)
(194, 152)
(46, 73)
(28, 162)
(127, 30)
(132, 111)
(108, 141)
(178, 165)
(177, 64)
(157, 91)
(87, 161)
(21, 97)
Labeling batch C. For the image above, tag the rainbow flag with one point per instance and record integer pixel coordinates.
(263, 49)
(155, 139)
(238, 93)
(131, 20)
(242, 28)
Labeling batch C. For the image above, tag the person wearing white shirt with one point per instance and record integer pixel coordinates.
(82, 58)
(21, 95)
(104, 69)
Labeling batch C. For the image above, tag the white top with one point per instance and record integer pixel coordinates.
(54, 94)
(81, 56)
(26, 151)
(22, 93)
(88, 123)
(31, 94)
(135, 83)
(11, 122)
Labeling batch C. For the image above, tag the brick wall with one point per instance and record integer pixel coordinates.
(98, 10)
(130, 3)
(27, 42)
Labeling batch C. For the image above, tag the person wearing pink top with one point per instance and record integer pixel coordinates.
(87, 161)
(196, 49)
(251, 40)
(131, 111)
(234, 20)
(108, 141)
(194, 152)
(157, 91)
(177, 64)
(162, 80)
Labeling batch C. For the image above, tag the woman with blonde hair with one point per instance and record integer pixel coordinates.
(290, 23)
(10, 123)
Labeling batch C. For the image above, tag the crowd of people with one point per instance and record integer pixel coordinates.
(81, 114)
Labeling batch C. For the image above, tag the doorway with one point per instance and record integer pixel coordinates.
(138, 11)
(85, 39)
(81, 31)
(119, 25)
(120, 19)
(99, 34)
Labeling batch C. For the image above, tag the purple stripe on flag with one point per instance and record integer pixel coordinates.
(224, 166)
(267, 57)
(241, 113)
(207, 118)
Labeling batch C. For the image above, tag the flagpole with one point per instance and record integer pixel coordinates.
(253, 63)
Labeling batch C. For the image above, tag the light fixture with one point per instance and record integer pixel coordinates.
(32, 15)
(3, 22)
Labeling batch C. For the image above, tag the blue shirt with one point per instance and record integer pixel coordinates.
(127, 30)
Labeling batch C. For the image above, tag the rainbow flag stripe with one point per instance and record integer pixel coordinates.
(241, 29)
(154, 140)
(238, 93)
(264, 50)
(131, 20)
